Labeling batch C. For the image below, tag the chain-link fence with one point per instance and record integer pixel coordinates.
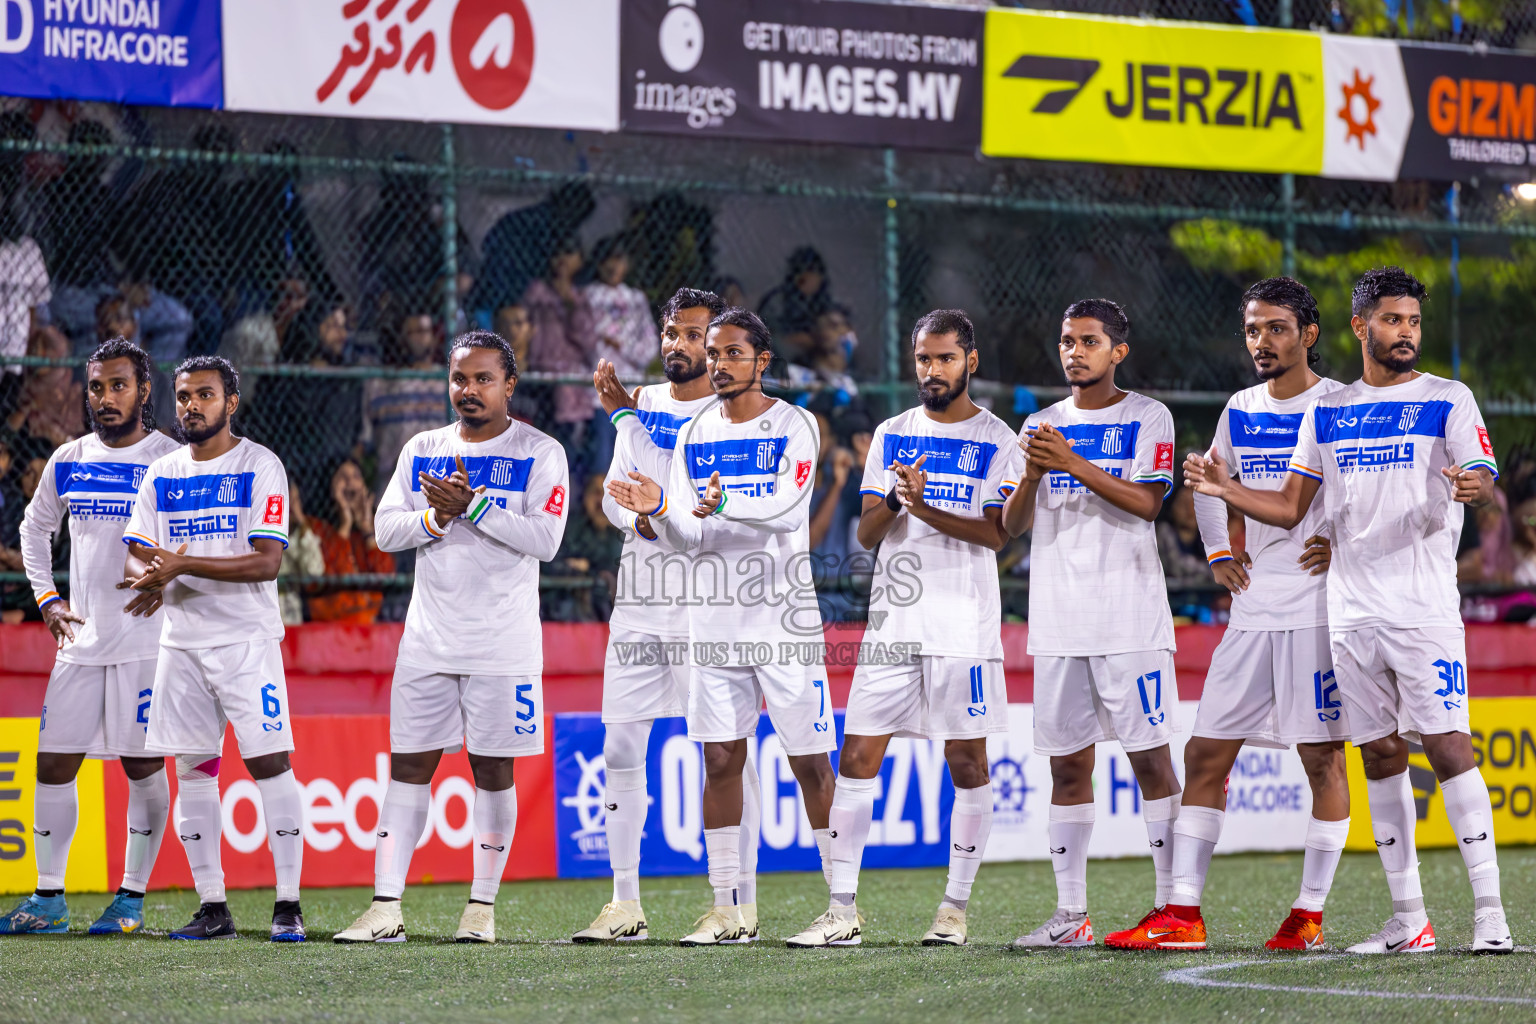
(330, 259)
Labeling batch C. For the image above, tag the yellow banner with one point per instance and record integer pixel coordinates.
(18, 778)
(1504, 738)
(1156, 93)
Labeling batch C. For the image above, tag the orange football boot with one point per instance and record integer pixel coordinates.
(1301, 931)
(1160, 929)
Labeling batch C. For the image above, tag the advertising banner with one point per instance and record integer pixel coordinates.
(159, 52)
(799, 70)
(541, 63)
(1474, 114)
(87, 870)
(1367, 111)
(1156, 93)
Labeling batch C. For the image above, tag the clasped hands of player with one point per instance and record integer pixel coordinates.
(449, 497)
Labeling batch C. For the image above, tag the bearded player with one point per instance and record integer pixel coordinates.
(933, 494)
(209, 527)
(483, 502)
(1397, 455)
(644, 678)
(1271, 681)
(99, 693)
(738, 499)
(1097, 467)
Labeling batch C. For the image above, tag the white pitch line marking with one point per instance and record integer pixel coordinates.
(1196, 976)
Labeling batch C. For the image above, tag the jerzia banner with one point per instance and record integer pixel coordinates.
(795, 70)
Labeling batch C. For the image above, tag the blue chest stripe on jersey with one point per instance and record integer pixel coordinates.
(735, 457)
(98, 477)
(662, 426)
(947, 456)
(1381, 419)
(1263, 429)
(493, 472)
(216, 490)
(1103, 440)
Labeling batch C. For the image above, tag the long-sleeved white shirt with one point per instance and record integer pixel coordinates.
(750, 583)
(95, 486)
(475, 601)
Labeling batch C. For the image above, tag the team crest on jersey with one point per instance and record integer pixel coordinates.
(138, 475)
(767, 458)
(227, 487)
(1114, 438)
(969, 458)
(556, 503)
(1164, 458)
(802, 472)
(1482, 439)
(1409, 416)
(274, 511)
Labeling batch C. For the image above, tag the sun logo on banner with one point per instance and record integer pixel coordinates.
(1358, 100)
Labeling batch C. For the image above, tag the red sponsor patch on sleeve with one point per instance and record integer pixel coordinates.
(1482, 438)
(274, 510)
(802, 472)
(1164, 457)
(556, 503)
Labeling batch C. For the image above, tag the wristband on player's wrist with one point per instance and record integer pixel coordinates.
(892, 502)
(661, 507)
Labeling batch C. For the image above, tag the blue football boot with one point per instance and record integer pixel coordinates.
(36, 915)
(123, 916)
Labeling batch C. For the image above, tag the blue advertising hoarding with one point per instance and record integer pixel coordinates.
(157, 52)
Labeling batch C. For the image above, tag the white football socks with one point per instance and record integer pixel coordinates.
(55, 812)
(402, 820)
(1392, 821)
(149, 805)
(723, 848)
(1070, 829)
(970, 823)
(1325, 844)
(199, 822)
(1159, 816)
(626, 804)
(283, 808)
(495, 817)
(1471, 814)
(751, 826)
(1195, 834)
(853, 809)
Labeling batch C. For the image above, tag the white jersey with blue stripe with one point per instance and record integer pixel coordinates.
(751, 586)
(1379, 453)
(475, 600)
(1256, 437)
(95, 486)
(218, 508)
(647, 440)
(1096, 583)
(932, 589)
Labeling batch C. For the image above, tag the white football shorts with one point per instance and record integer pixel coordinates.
(934, 698)
(493, 716)
(198, 693)
(1272, 688)
(1409, 681)
(645, 676)
(724, 703)
(1085, 700)
(100, 710)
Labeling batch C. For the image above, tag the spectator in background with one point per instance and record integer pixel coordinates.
(730, 290)
(1523, 544)
(16, 489)
(51, 406)
(565, 341)
(301, 557)
(1183, 557)
(791, 309)
(530, 400)
(395, 409)
(349, 550)
(155, 321)
(518, 247)
(80, 227)
(826, 369)
(24, 281)
(270, 234)
(621, 314)
(836, 509)
(1493, 559)
(290, 299)
(402, 244)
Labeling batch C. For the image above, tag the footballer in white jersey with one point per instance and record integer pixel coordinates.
(482, 502)
(208, 528)
(738, 498)
(933, 492)
(1098, 466)
(645, 665)
(1397, 455)
(99, 692)
(1271, 681)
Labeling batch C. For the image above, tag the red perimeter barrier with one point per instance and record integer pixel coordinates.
(346, 670)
